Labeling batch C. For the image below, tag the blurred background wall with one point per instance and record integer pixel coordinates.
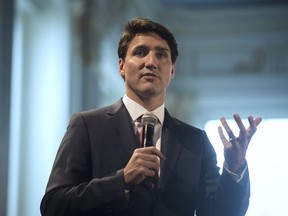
(60, 57)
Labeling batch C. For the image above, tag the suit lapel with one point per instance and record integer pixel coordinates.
(171, 148)
(122, 125)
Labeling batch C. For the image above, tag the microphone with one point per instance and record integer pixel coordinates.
(148, 120)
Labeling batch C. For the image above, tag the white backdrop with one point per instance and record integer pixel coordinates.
(267, 161)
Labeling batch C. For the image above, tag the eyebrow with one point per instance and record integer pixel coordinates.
(160, 48)
(157, 48)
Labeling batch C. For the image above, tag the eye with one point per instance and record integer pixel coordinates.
(161, 55)
(140, 52)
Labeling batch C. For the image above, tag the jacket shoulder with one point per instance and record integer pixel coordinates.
(100, 112)
(187, 133)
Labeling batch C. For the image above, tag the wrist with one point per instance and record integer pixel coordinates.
(235, 167)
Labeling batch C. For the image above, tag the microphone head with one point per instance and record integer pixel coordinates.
(149, 118)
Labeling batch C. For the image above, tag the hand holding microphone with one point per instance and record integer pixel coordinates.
(144, 161)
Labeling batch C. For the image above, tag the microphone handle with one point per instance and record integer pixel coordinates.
(147, 140)
(148, 134)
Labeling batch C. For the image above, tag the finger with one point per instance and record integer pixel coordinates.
(149, 168)
(144, 172)
(223, 138)
(140, 156)
(156, 166)
(254, 122)
(257, 121)
(240, 124)
(253, 126)
(144, 164)
(227, 128)
(153, 151)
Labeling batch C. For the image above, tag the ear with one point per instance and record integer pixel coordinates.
(121, 70)
(173, 71)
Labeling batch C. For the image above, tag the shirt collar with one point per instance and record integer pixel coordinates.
(136, 110)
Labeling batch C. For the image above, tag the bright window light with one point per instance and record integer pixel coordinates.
(267, 161)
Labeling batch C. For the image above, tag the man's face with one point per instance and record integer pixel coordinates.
(147, 67)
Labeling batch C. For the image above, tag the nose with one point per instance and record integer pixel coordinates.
(151, 61)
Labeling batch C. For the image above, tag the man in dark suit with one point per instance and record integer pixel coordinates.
(101, 170)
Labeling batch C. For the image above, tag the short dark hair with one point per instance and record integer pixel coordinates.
(141, 26)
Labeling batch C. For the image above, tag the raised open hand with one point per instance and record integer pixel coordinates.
(236, 147)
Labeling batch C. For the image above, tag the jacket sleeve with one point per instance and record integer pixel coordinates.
(72, 189)
(221, 195)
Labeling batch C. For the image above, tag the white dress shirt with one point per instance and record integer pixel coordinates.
(136, 110)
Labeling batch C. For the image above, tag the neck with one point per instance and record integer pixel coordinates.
(149, 103)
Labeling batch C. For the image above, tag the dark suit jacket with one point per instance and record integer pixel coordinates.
(87, 175)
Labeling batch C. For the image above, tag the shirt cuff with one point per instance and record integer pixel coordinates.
(238, 177)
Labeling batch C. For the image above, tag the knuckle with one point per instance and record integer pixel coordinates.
(141, 170)
(137, 154)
